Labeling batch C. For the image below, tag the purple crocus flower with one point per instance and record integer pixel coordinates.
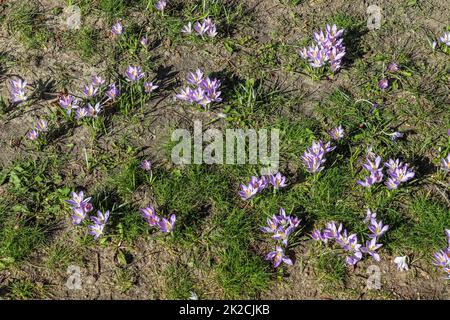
(187, 29)
(398, 173)
(392, 67)
(371, 247)
(99, 224)
(277, 181)
(354, 259)
(278, 257)
(272, 226)
(317, 235)
(33, 135)
(89, 90)
(195, 78)
(97, 81)
(150, 87)
(41, 125)
(445, 38)
(445, 164)
(185, 94)
(80, 207)
(370, 216)
(68, 102)
(313, 163)
(81, 113)
(167, 225)
(161, 5)
(396, 135)
(376, 173)
(117, 29)
(149, 214)
(134, 73)
(262, 183)
(337, 133)
(144, 42)
(377, 228)
(441, 259)
(201, 28)
(146, 165)
(247, 192)
(282, 234)
(383, 84)
(332, 231)
(93, 111)
(113, 92)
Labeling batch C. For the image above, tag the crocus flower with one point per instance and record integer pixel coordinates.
(93, 111)
(117, 29)
(134, 73)
(445, 164)
(68, 102)
(150, 87)
(441, 259)
(101, 218)
(392, 67)
(377, 228)
(149, 214)
(167, 225)
(371, 247)
(247, 192)
(401, 263)
(80, 207)
(317, 235)
(144, 41)
(81, 113)
(277, 181)
(89, 90)
(195, 78)
(398, 173)
(97, 81)
(278, 256)
(445, 38)
(33, 134)
(41, 125)
(272, 226)
(146, 165)
(161, 5)
(383, 84)
(354, 259)
(370, 216)
(337, 133)
(332, 231)
(113, 92)
(396, 135)
(96, 230)
(187, 29)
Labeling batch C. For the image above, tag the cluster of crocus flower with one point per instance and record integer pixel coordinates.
(81, 206)
(153, 220)
(349, 243)
(314, 157)
(442, 257)
(327, 49)
(18, 90)
(117, 29)
(257, 185)
(201, 28)
(201, 90)
(398, 172)
(280, 227)
(41, 126)
(146, 165)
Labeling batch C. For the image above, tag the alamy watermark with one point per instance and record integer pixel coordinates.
(234, 146)
(74, 280)
(374, 17)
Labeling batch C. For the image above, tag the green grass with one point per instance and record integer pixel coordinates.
(27, 22)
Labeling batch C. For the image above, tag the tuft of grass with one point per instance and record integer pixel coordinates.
(179, 282)
(22, 290)
(27, 21)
